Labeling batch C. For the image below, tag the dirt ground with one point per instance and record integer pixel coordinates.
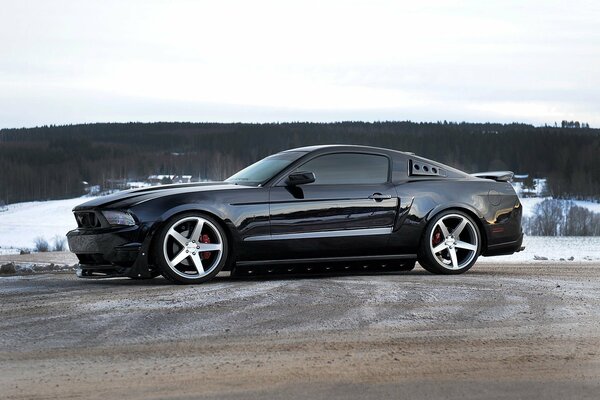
(56, 257)
(499, 331)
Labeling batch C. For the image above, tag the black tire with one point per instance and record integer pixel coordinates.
(443, 262)
(167, 248)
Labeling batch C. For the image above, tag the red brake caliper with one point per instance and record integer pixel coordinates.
(205, 239)
(437, 237)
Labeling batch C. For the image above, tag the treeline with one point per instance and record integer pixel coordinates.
(561, 218)
(574, 124)
(51, 162)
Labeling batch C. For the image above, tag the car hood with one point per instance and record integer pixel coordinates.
(129, 198)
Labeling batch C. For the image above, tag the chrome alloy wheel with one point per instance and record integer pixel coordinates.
(453, 241)
(193, 247)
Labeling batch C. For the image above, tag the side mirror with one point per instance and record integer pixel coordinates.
(300, 178)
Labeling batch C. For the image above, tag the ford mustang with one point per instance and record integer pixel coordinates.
(319, 207)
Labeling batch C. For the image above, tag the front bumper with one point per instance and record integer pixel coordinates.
(110, 252)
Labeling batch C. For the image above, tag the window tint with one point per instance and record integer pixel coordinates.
(348, 168)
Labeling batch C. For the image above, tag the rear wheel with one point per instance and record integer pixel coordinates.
(191, 248)
(451, 244)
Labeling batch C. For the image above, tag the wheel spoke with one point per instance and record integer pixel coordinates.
(439, 247)
(210, 247)
(179, 258)
(452, 252)
(197, 230)
(465, 245)
(198, 263)
(456, 232)
(179, 237)
(444, 229)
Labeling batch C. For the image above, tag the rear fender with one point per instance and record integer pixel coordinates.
(458, 206)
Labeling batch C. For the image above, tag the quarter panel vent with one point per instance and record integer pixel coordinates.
(418, 168)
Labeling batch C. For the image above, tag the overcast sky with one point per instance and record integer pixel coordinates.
(174, 60)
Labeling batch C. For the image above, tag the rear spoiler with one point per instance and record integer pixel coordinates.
(498, 176)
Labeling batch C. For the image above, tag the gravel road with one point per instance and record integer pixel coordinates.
(499, 331)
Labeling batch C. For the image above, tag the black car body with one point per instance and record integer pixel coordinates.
(307, 206)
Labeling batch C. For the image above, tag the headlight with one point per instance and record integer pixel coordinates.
(118, 218)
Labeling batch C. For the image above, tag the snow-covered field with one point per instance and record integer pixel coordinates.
(21, 223)
(554, 248)
(529, 204)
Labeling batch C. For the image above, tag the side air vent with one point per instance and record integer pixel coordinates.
(418, 168)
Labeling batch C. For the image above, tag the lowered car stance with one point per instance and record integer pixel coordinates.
(318, 207)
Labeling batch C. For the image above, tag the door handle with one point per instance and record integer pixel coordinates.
(379, 196)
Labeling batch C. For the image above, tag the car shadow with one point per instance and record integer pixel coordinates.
(273, 276)
(320, 275)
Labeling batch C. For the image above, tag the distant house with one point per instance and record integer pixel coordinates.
(137, 185)
(160, 179)
(166, 179)
(183, 179)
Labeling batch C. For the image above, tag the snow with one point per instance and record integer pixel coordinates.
(582, 249)
(9, 251)
(540, 187)
(21, 223)
(32, 268)
(529, 204)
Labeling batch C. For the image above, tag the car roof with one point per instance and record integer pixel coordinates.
(347, 147)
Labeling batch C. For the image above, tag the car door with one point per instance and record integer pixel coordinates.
(349, 210)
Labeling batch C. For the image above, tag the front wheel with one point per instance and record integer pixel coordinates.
(191, 248)
(451, 243)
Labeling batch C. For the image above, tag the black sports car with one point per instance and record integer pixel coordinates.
(313, 207)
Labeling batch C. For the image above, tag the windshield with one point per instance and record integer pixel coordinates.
(263, 170)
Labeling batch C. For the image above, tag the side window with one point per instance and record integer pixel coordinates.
(348, 168)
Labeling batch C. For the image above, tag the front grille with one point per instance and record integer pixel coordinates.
(87, 219)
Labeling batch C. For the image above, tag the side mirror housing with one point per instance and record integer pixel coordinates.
(300, 178)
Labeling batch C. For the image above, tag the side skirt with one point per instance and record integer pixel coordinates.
(328, 260)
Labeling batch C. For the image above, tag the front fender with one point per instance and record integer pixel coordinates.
(145, 256)
(199, 207)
